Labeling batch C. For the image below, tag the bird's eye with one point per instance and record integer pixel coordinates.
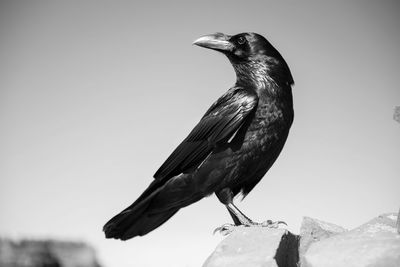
(241, 40)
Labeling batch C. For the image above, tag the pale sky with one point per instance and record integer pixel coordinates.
(95, 95)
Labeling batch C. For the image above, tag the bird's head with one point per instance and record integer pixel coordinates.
(250, 54)
(238, 48)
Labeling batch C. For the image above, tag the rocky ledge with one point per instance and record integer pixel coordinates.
(320, 244)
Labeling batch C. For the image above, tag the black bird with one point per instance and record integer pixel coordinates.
(230, 149)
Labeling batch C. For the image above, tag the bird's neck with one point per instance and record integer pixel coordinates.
(264, 75)
(253, 73)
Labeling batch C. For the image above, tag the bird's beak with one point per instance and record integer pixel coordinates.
(217, 41)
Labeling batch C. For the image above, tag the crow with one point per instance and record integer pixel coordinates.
(230, 149)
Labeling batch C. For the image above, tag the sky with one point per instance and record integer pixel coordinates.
(95, 95)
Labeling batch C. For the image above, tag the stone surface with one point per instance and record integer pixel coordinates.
(47, 253)
(313, 230)
(255, 247)
(373, 244)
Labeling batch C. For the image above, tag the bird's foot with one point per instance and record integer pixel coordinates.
(228, 228)
(225, 229)
(271, 224)
(267, 223)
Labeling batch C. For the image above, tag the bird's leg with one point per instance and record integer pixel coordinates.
(243, 219)
(225, 196)
(246, 221)
(234, 218)
(239, 218)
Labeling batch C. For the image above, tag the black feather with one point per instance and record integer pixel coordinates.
(222, 120)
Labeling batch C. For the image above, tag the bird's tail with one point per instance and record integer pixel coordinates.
(156, 205)
(135, 222)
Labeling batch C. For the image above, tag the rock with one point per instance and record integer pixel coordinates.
(313, 230)
(46, 253)
(374, 244)
(320, 244)
(256, 246)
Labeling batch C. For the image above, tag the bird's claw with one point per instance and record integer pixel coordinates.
(228, 228)
(272, 224)
(225, 229)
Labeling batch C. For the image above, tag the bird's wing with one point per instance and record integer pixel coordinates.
(217, 126)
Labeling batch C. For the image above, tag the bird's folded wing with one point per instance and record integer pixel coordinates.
(217, 126)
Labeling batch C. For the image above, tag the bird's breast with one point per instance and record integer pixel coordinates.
(271, 123)
(254, 152)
